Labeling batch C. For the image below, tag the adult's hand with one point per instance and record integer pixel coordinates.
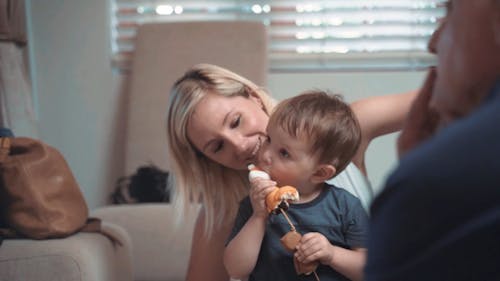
(422, 121)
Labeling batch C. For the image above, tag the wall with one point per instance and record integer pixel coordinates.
(77, 91)
(81, 102)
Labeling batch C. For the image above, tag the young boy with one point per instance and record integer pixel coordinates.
(311, 138)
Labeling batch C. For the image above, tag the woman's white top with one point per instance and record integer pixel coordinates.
(354, 181)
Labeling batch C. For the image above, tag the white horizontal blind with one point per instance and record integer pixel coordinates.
(334, 35)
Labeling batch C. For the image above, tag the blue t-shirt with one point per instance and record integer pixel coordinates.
(335, 213)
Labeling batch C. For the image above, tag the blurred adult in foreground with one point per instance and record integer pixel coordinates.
(438, 217)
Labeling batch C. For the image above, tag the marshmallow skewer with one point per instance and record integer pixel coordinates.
(257, 173)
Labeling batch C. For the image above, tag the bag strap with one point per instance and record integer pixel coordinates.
(95, 225)
(4, 148)
(92, 225)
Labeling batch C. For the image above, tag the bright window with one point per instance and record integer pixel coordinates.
(335, 35)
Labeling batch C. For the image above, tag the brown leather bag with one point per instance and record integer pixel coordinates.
(39, 196)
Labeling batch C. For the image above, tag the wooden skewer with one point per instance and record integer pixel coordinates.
(293, 229)
(288, 219)
(316, 275)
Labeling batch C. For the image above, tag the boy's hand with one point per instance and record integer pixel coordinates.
(258, 191)
(314, 246)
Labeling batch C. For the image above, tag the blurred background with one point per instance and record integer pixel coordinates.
(79, 61)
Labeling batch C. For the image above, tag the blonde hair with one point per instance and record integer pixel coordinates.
(195, 177)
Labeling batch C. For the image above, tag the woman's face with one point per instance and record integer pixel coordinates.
(228, 130)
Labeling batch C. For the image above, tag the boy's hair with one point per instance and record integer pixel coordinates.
(325, 121)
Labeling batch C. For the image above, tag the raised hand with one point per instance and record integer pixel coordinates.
(422, 121)
(259, 188)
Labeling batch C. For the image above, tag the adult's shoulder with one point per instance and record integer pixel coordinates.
(465, 153)
(438, 198)
(446, 181)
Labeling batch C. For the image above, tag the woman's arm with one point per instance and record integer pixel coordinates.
(377, 116)
(205, 262)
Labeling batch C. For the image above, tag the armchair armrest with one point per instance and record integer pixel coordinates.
(160, 247)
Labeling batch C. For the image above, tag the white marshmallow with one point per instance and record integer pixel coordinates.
(257, 173)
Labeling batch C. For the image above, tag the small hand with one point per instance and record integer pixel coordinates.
(259, 188)
(314, 246)
(422, 121)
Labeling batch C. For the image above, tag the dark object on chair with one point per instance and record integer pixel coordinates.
(6, 133)
(148, 184)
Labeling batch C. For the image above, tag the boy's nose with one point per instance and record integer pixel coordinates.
(265, 158)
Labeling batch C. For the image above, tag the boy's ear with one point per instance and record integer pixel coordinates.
(323, 172)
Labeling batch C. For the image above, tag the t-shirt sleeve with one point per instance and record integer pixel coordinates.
(244, 212)
(356, 223)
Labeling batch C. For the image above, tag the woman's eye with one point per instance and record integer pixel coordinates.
(284, 153)
(218, 147)
(236, 122)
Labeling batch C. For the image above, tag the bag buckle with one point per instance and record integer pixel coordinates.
(4, 148)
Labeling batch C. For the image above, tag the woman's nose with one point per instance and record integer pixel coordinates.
(240, 144)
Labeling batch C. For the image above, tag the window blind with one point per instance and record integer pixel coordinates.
(304, 36)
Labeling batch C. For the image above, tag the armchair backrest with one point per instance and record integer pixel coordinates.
(163, 52)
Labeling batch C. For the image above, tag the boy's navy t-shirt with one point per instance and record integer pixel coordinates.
(335, 213)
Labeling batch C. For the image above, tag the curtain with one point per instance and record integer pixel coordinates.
(16, 105)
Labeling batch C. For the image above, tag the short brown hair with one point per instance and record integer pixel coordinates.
(323, 119)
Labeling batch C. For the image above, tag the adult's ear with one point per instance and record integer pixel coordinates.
(323, 172)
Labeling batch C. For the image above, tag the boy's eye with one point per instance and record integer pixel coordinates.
(268, 139)
(236, 122)
(284, 153)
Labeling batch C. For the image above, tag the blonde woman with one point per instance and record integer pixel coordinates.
(216, 124)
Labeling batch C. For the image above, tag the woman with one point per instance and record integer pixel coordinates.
(216, 124)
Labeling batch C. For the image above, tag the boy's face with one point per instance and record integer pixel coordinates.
(287, 159)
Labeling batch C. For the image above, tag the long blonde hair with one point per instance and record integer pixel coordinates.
(195, 177)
